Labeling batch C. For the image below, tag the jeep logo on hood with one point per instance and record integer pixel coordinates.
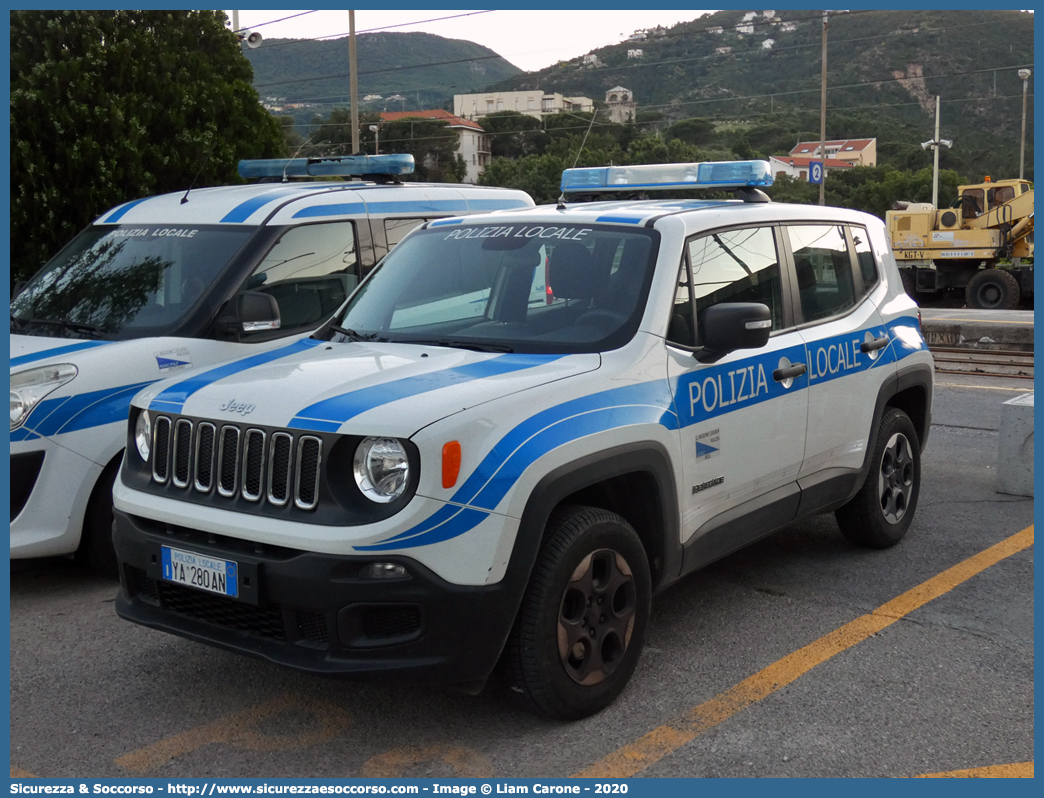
(232, 406)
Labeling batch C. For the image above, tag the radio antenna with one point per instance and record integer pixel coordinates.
(204, 162)
(576, 160)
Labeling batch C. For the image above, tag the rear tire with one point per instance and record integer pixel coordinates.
(583, 619)
(880, 514)
(992, 289)
(96, 549)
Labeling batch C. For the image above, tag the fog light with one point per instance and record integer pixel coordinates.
(384, 570)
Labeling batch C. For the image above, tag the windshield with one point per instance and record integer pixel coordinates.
(125, 282)
(512, 287)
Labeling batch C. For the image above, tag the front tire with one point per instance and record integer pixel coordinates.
(992, 289)
(584, 616)
(880, 514)
(96, 549)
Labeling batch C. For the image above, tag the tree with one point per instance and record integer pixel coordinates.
(110, 106)
(514, 134)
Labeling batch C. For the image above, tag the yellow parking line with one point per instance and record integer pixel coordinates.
(1019, 770)
(660, 742)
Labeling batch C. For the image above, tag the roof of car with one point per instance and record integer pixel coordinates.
(255, 204)
(642, 212)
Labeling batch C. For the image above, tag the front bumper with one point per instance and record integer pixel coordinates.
(315, 612)
(50, 488)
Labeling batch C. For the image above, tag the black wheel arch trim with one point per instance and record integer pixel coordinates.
(661, 534)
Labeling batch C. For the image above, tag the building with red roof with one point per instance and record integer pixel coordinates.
(857, 152)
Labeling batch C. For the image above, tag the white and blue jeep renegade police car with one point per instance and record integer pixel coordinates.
(169, 284)
(522, 426)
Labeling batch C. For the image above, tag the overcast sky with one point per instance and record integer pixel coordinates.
(530, 40)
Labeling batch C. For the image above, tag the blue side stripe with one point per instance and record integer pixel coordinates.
(621, 219)
(495, 204)
(340, 209)
(332, 413)
(119, 213)
(23, 434)
(173, 399)
(730, 386)
(85, 410)
(418, 206)
(61, 350)
(242, 212)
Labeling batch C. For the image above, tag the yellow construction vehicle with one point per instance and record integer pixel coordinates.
(960, 247)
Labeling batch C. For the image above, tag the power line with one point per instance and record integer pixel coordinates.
(274, 21)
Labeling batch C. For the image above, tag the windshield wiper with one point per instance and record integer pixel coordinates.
(352, 335)
(475, 346)
(76, 326)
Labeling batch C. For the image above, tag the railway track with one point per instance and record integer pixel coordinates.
(994, 363)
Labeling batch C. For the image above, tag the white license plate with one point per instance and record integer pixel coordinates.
(200, 571)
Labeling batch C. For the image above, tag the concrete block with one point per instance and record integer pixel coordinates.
(1015, 450)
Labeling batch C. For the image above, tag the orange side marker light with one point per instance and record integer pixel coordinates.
(450, 464)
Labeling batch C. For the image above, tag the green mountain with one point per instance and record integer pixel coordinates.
(424, 69)
(754, 76)
(759, 77)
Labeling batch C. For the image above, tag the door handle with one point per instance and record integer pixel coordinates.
(795, 370)
(874, 345)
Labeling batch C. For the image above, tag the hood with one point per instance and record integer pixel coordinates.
(31, 350)
(357, 388)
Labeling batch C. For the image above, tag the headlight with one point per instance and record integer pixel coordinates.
(29, 387)
(381, 469)
(143, 435)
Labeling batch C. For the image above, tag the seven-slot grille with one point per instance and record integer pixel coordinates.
(250, 463)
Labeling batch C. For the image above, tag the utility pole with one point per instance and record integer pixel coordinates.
(935, 158)
(354, 82)
(1025, 75)
(935, 144)
(822, 113)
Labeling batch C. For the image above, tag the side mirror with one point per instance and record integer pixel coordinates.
(251, 311)
(733, 325)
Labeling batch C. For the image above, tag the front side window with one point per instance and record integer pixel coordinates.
(823, 268)
(518, 287)
(736, 266)
(310, 271)
(127, 281)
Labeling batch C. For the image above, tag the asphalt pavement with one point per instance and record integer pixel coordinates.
(751, 668)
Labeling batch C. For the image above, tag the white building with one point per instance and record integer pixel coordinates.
(475, 147)
(620, 105)
(535, 103)
(635, 53)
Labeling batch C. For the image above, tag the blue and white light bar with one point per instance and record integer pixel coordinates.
(652, 177)
(328, 166)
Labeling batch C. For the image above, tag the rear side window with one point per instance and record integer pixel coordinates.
(823, 268)
(396, 229)
(865, 259)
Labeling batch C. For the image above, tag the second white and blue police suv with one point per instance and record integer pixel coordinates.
(522, 426)
(171, 284)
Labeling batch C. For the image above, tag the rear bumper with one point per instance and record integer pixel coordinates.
(315, 612)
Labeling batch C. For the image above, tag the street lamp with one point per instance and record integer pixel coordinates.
(934, 145)
(1024, 74)
(376, 139)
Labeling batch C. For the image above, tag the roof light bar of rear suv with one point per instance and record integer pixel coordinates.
(328, 166)
(653, 177)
